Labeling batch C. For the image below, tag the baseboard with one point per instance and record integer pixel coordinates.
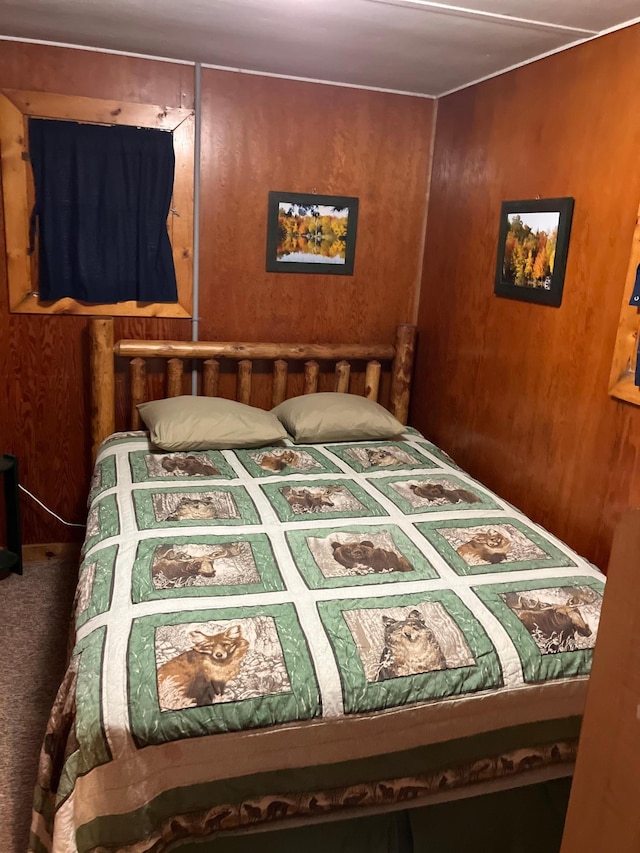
(50, 551)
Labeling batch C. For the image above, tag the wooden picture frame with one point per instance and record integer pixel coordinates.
(533, 245)
(311, 233)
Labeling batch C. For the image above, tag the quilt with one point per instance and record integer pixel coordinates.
(276, 634)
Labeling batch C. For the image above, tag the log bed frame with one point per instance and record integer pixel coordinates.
(104, 351)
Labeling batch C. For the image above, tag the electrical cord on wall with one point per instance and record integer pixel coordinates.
(50, 511)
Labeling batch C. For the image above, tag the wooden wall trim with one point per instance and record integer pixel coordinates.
(16, 107)
(50, 551)
(623, 366)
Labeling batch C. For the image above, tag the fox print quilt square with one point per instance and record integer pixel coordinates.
(197, 464)
(553, 622)
(197, 566)
(474, 546)
(281, 461)
(419, 493)
(301, 500)
(397, 650)
(380, 456)
(357, 555)
(218, 670)
(193, 506)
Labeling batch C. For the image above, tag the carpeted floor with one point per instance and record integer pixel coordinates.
(34, 623)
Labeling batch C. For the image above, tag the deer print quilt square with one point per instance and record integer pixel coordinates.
(356, 556)
(552, 621)
(501, 544)
(218, 670)
(193, 506)
(95, 585)
(425, 492)
(104, 477)
(103, 522)
(380, 456)
(76, 724)
(196, 465)
(200, 566)
(284, 461)
(398, 650)
(302, 500)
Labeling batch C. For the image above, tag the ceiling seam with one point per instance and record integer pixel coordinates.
(623, 26)
(232, 69)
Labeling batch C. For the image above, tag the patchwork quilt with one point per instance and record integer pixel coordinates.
(274, 634)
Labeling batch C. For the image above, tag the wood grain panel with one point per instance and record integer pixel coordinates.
(518, 392)
(258, 134)
(44, 360)
(603, 809)
(262, 134)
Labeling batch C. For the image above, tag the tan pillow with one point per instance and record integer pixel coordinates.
(208, 423)
(335, 417)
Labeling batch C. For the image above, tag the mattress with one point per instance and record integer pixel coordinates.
(271, 636)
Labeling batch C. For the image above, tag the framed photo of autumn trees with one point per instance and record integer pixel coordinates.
(311, 233)
(532, 249)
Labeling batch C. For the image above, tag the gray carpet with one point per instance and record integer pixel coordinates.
(34, 624)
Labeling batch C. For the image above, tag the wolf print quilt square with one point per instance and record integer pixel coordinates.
(422, 493)
(380, 456)
(219, 670)
(553, 622)
(308, 499)
(282, 461)
(398, 650)
(197, 566)
(477, 546)
(356, 556)
(197, 464)
(193, 507)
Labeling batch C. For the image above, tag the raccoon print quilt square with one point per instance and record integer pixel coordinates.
(261, 592)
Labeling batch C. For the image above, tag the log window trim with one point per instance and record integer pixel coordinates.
(16, 107)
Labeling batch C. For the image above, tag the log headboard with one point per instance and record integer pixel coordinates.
(209, 354)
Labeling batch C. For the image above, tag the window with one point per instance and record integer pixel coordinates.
(16, 109)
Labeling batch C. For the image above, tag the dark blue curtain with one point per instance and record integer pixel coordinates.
(102, 201)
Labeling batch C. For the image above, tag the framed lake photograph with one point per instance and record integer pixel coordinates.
(311, 233)
(532, 249)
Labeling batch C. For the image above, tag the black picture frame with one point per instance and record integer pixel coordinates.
(523, 270)
(336, 244)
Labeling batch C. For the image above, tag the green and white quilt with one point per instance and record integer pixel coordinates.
(275, 633)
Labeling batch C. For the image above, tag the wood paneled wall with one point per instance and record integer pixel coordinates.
(262, 134)
(518, 392)
(259, 134)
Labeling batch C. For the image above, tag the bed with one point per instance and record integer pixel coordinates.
(271, 636)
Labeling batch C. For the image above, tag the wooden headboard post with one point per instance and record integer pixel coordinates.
(401, 371)
(104, 351)
(103, 412)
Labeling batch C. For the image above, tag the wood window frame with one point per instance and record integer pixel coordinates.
(16, 108)
(622, 380)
